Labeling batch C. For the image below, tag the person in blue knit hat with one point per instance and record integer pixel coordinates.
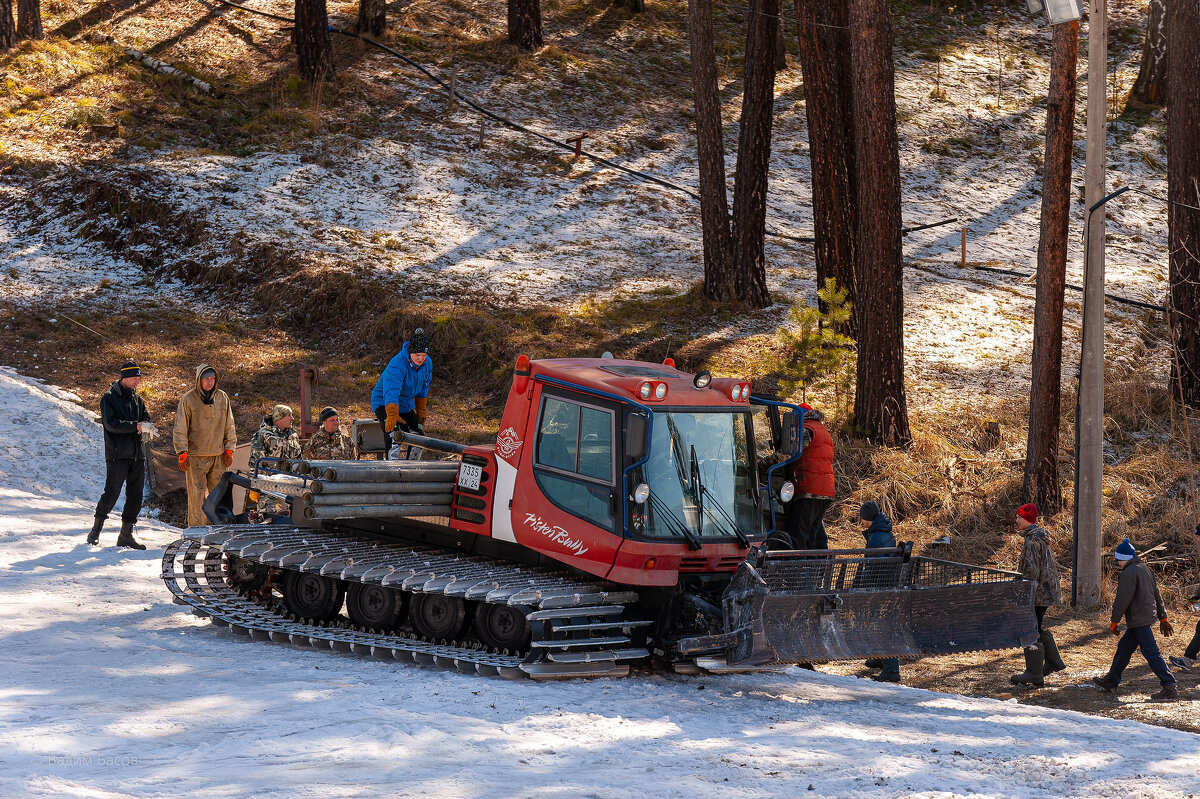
(1140, 603)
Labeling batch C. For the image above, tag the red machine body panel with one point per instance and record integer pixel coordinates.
(549, 497)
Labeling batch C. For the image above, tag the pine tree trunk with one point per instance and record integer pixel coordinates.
(8, 33)
(1183, 186)
(780, 45)
(372, 17)
(525, 23)
(29, 19)
(314, 51)
(1150, 88)
(821, 27)
(754, 155)
(710, 155)
(880, 405)
(1041, 456)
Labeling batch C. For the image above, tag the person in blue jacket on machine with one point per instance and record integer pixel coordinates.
(399, 396)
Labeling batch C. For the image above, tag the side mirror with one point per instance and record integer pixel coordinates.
(635, 436)
(789, 434)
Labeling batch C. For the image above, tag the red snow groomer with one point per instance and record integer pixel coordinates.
(620, 516)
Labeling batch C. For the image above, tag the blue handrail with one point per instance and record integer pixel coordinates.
(800, 437)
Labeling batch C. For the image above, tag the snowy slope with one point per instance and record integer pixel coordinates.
(109, 690)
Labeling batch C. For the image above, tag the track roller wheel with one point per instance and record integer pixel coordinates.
(437, 616)
(311, 596)
(246, 576)
(374, 607)
(503, 627)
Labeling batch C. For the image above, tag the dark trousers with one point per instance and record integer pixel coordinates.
(806, 522)
(132, 473)
(1193, 649)
(1041, 614)
(408, 423)
(1139, 638)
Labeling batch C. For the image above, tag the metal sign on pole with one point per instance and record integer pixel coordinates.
(1089, 417)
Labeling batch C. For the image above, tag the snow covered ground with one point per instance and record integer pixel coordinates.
(109, 690)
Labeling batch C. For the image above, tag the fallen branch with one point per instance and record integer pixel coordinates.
(156, 65)
(167, 69)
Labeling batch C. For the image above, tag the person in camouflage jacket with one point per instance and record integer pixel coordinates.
(274, 438)
(1037, 563)
(329, 443)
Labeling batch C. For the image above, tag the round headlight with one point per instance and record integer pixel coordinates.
(742, 392)
(702, 379)
(746, 391)
(641, 493)
(660, 391)
(644, 391)
(787, 491)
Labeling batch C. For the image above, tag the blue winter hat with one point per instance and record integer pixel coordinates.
(1125, 551)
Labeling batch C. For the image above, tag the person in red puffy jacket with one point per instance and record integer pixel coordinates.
(812, 476)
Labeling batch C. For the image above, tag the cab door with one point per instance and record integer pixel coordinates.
(565, 502)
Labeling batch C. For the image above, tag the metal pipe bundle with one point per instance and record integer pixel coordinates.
(374, 511)
(350, 487)
(379, 472)
(376, 489)
(325, 500)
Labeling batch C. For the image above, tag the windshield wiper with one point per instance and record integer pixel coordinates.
(696, 487)
(676, 525)
(729, 524)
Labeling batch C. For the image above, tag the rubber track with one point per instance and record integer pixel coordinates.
(193, 569)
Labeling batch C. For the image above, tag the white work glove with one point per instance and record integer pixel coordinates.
(147, 429)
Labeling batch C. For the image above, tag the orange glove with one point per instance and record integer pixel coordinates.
(183, 461)
(420, 403)
(1112, 628)
(1165, 628)
(228, 458)
(393, 416)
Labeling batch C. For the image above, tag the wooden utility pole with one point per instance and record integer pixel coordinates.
(1089, 433)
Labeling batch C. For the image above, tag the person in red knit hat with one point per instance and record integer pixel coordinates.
(1037, 563)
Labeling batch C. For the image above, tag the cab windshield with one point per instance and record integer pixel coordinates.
(701, 478)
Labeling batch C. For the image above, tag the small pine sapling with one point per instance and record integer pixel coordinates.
(816, 355)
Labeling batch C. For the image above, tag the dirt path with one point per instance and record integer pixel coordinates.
(1087, 648)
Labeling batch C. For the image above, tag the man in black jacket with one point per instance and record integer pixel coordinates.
(124, 417)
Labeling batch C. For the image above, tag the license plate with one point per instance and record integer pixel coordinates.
(469, 476)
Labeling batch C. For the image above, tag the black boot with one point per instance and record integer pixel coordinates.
(1054, 661)
(93, 538)
(126, 539)
(1034, 660)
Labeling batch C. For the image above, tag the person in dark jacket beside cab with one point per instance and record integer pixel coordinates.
(1037, 563)
(1140, 603)
(877, 531)
(124, 417)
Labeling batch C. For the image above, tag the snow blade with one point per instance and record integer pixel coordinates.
(815, 606)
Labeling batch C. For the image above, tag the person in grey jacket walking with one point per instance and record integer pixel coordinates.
(1037, 563)
(1140, 603)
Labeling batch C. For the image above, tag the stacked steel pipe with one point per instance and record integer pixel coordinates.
(374, 489)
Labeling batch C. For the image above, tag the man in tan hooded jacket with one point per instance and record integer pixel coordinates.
(204, 439)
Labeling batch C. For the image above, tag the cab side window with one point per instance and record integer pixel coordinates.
(573, 459)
